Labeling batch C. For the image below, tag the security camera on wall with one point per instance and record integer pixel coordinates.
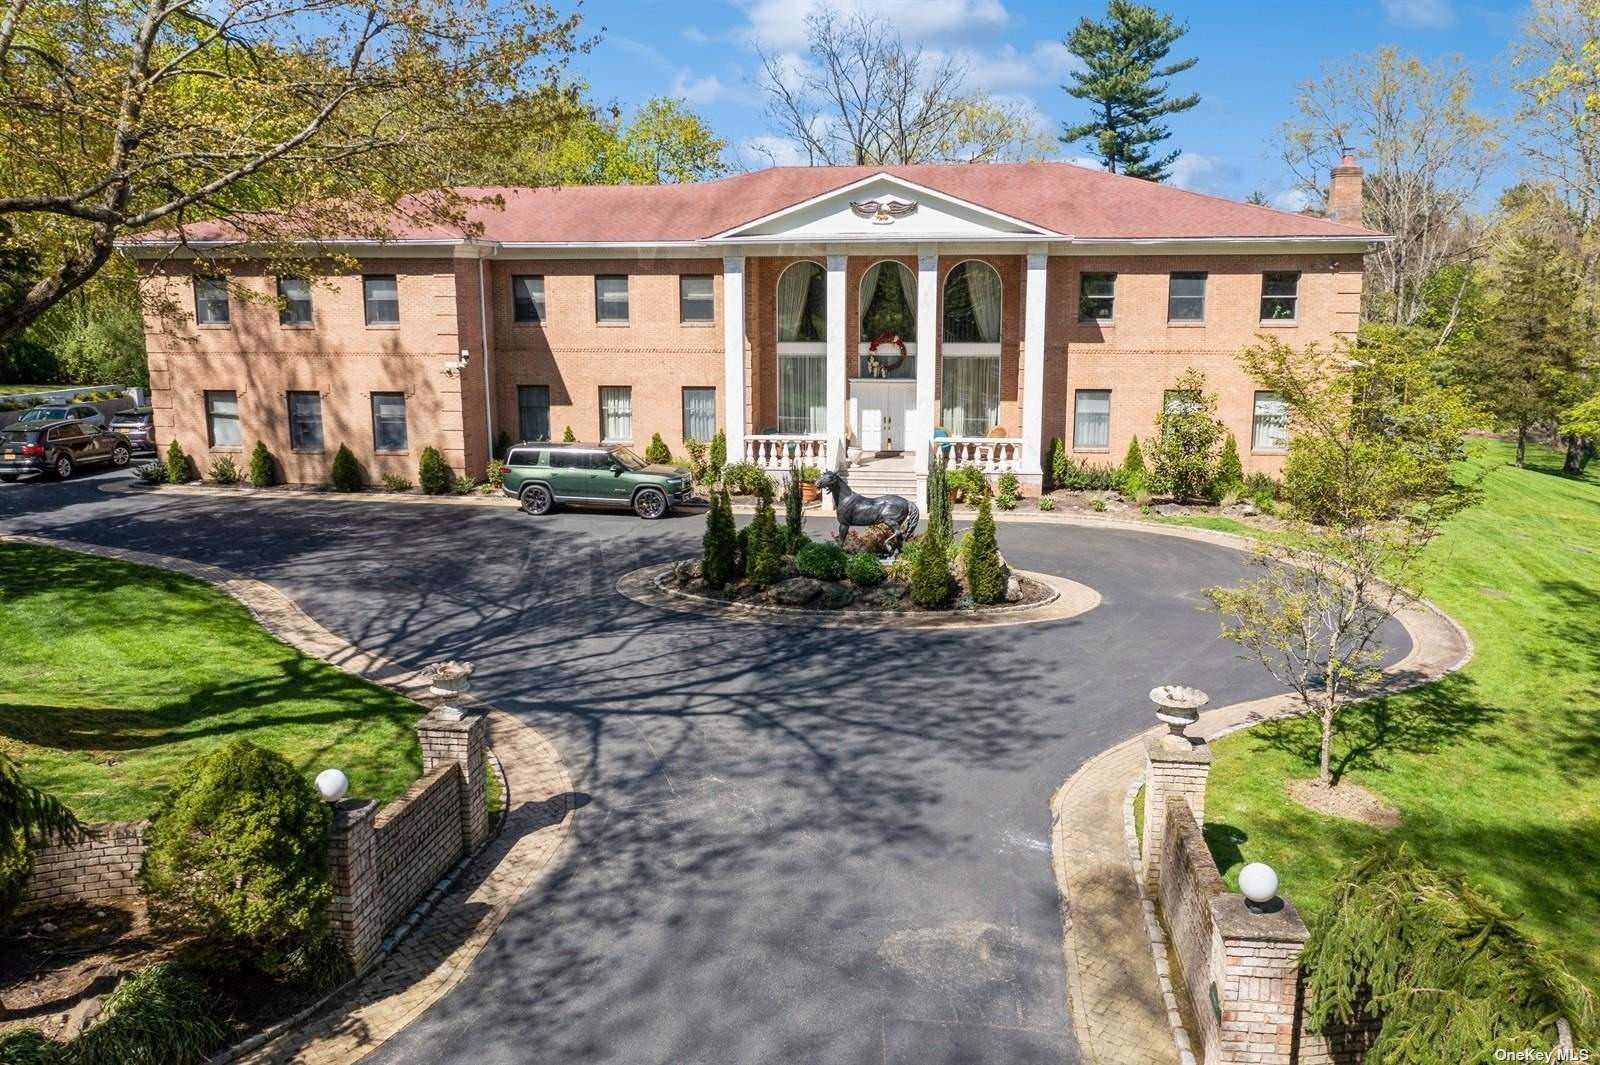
(452, 368)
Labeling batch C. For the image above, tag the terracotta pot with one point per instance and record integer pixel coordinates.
(808, 491)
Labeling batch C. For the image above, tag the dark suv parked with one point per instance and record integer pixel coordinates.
(34, 450)
(604, 475)
(138, 425)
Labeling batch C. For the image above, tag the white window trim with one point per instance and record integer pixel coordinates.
(970, 347)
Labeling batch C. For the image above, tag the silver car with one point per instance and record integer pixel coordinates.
(65, 412)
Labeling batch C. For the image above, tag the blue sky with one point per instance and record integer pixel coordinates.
(1251, 55)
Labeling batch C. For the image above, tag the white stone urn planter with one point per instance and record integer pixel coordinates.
(446, 681)
(1178, 707)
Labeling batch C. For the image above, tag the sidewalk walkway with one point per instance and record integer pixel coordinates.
(1121, 1001)
(437, 954)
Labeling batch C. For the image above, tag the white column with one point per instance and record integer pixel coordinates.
(733, 398)
(1033, 367)
(929, 327)
(836, 355)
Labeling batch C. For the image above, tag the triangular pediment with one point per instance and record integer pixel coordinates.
(883, 207)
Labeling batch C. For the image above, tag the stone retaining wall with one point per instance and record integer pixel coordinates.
(417, 839)
(1189, 881)
(103, 866)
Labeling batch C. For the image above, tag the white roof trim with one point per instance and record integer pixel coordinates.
(977, 208)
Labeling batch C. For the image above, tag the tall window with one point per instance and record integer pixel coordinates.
(972, 304)
(1270, 427)
(381, 294)
(294, 301)
(611, 298)
(533, 412)
(1186, 297)
(699, 413)
(211, 301)
(1097, 297)
(1091, 419)
(389, 421)
(970, 392)
(802, 362)
(527, 298)
(1280, 297)
(888, 296)
(694, 298)
(305, 421)
(616, 414)
(222, 418)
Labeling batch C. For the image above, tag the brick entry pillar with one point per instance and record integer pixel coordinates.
(1258, 988)
(1172, 770)
(356, 911)
(464, 742)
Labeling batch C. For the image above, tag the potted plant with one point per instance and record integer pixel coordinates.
(808, 482)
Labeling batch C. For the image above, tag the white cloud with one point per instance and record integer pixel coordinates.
(1046, 63)
(764, 151)
(1202, 173)
(1420, 14)
(696, 35)
(782, 23)
(704, 90)
(1085, 160)
(1295, 199)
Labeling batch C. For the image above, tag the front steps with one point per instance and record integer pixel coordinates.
(889, 475)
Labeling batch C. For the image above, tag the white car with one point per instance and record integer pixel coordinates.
(65, 412)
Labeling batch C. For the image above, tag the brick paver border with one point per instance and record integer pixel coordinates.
(1119, 989)
(536, 820)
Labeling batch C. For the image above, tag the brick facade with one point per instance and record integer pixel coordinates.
(103, 866)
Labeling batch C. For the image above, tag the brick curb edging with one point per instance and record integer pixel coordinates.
(421, 961)
(1068, 599)
(1120, 1014)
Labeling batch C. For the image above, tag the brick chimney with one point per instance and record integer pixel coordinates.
(1344, 191)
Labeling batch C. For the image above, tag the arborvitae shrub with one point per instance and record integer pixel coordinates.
(433, 476)
(939, 496)
(263, 472)
(985, 579)
(177, 464)
(719, 455)
(720, 543)
(1131, 476)
(657, 451)
(764, 546)
(793, 513)
(346, 473)
(824, 561)
(1060, 463)
(930, 573)
(1230, 473)
(568, 436)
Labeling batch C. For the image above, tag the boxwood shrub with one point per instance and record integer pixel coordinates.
(821, 560)
(433, 476)
(865, 570)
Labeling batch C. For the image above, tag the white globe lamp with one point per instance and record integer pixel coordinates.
(1259, 884)
(332, 784)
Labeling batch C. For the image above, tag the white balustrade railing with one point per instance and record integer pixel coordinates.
(989, 454)
(777, 452)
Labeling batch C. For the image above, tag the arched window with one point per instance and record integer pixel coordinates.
(802, 360)
(972, 304)
(803, 304)
(970, 393)
(888, 302)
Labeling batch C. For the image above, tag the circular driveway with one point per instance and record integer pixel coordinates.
(796, 844)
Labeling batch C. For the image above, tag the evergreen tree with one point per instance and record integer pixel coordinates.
(985, 579)
(720, 543)
(719, 456)
(346, 473)
(930, 574)
(764, 546)
(1133, 462)
(657, 450)
(939, 497)
(262, 471)
(568, 436)
(1059, 468)
(1230, 472)
(793, 512)
(1124, 67)
(433, 476)
(177, 464)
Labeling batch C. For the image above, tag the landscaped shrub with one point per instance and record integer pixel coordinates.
(26, 812)
(27, 1046)
(763, 549)
(793, 516)
(463, 486)
(985, 579)
(865, 570)
(568, 437)
(346, 473)
(697, 459)
(238, 856)
(719, 455)
(1230, 474)
(1046, 503)
(158, 1016)
(262, 469)
(1056, 468)
(1131, 476)
(930, 572)
(719, 546)
(151, 472)
(223, 471)
(1081, 477)
(657, 450)
(939, 495)
(1188, 434)
(1009, 487)
(177, 464)
(968, 482)
(745, 479)
(824, 561)
(15, 867)
(393, 482)
(433, 476)
(494, 474)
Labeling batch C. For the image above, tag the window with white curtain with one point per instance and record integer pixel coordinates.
(803, 304)
(802, 316)
(389, 421)
(294, 301)
(802, 394)
(1091, 419)
(972, 304)
(1270, 427)
(888, 299)
(616, 414)
(222, 418)
(971, 394)
(699, 413)
(211, 301)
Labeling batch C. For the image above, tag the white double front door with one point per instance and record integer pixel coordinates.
(885, 415)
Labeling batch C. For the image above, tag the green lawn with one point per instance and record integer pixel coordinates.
(113, 676)
(1496, 769)
(12, 390)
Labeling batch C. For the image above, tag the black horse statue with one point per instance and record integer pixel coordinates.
(897, 512)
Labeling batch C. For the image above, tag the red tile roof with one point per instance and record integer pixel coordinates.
(1075, 201)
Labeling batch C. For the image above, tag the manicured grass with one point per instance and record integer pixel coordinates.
(12, 390)
(1496, 769)
(114, 676)
(1208, 521)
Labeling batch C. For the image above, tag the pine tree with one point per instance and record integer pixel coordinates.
(568, 436)
(262, 470)
(985, 579)
(1230, 473)
(433, 476)
(657, 450)
(763, 547)
(720, 543)
(793, 512)
(930, 575)
(1123, 79)
(1059, 469)
(719, 456)
(346, 473)
(177, 464)
(939, 496)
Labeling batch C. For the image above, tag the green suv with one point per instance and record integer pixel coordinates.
(606, 475)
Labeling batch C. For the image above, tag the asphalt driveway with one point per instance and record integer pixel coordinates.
(798, 844)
